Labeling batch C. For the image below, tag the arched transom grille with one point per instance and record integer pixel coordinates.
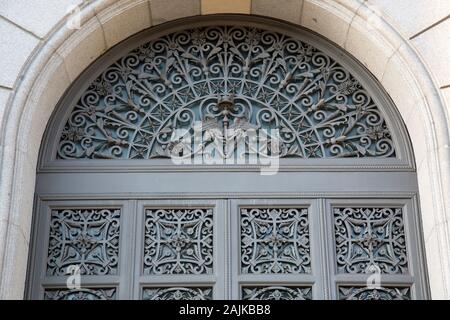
(231, 80)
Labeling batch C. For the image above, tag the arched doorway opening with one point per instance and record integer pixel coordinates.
(340, 206)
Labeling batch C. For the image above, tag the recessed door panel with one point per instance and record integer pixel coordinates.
(374, 249)
(81, 250)
(180, 247)
(276, 252)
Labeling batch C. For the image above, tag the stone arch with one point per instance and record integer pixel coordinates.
(65, 53)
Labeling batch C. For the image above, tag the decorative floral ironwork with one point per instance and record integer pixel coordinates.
(86, 238)
(276, 293)
(178, 241)
(382, 293)
(275, 240)
(135, 107)
(177, 293)
(81, 294)
(367, 237)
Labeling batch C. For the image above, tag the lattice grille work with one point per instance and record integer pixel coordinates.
(276, 293)
(382, 293)
(178, 241)
(177, 293)
(370, 240)
(275, 240)
(149, 102)
(81, 294)
(85, 239)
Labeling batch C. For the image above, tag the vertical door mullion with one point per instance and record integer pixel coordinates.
(326, 268)
(331, 260)
(38, 274)
(127, 253)
(228, 249)
(318, 249)
(233, 252)
(220, 250)
(138, 250)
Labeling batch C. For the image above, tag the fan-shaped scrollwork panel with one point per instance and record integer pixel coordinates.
(225, 91)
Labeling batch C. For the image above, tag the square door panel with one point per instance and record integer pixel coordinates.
(83, 247)
(374, 249)
(274, 242)
(180, 241)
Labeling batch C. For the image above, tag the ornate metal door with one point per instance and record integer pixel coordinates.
(227, 249)
(234, 159)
